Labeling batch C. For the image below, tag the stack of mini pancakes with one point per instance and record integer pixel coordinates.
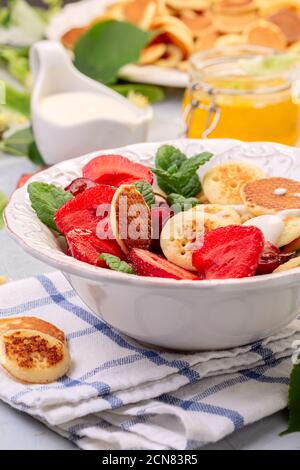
(187, 26)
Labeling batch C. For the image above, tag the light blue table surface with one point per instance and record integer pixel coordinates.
(20, 431)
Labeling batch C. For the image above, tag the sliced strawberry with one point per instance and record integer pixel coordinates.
(85, 210)
(149, 264)
(79, 185)
(116, 170)
(87, 247)
(229, 252)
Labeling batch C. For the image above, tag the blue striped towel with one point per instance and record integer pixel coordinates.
(121, 395)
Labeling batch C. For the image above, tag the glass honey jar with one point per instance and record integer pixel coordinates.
(233, 94)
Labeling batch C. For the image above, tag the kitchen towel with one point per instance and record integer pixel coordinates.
(120, 394)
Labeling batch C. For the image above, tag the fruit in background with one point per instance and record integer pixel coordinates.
(79, 185)
(86, 246)
(85, 210)
(229, 252)
(116, 170)
(149, 264)
(23, 179)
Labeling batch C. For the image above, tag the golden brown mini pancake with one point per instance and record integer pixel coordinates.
(260, 196)
(267, 34)
(293, 246)
(207, 39)
(292, 264)
(32, 356)
(197, 23)
(295, 47)
(234, 6)
(197, 5)
(140, 12)
(31, 323)
(152, 53)
(222, 184)
(289, 23)
(233, 23)
(130, 219)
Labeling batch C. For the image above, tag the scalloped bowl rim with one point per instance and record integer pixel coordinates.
(82, 269)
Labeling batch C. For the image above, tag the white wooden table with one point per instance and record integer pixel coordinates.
(20, 431)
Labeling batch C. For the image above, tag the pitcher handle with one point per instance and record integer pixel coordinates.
(46, 55)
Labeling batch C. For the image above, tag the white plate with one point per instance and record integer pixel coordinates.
(188, 315)
(81, 13)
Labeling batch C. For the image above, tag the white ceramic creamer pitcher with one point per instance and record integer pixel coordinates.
(53, 73)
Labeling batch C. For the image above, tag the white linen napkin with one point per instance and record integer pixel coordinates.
(120, 394)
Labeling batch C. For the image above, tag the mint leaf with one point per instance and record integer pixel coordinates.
(108, 46)
(167, 156)
(116, 264)
(45, 200)
(294, 401)
(178, 174)
(3, 203)
(153, 93)
(21, 143)
(146, 191)
(180, 203)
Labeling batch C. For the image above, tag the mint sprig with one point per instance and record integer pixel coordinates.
(146, 191)
(116, 264)
(45, 200)
(176, 173)
(181, 203)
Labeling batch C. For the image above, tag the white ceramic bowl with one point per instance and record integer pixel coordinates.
(186, 315)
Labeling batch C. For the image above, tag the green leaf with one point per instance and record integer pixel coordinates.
(294, 401)
(167, 156)
(178, 174)
(116, 264)
(108, 46)
(153, 93)
(146, 191)
(17, 62)
(181, 203)
(21, 143)
(16, 100)
(3, 203)
(45, 200)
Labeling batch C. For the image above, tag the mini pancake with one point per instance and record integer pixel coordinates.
(293, 246)
(197, 23)
(230, 40)
(260, 196)
(130, 219)
(267, 34)
(222, 184)
(234, 6)
(172, 57)
(229, 23)
(289, 23)
(268, 7)
(197, 5)
(140, 12)
(291, 264)
(32, 356)
(290, 232)
(31, 323)
(183, 232)
(152, 53)
(180, 36)
(207, 39)
(295, 47)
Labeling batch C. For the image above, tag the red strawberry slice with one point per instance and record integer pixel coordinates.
(149, 264)
(87, 247)
(229, 252)
(116, 170)
(81, 211)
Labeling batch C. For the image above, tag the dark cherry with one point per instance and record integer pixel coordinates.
(269, 260)
(79, 185)
(285, 257)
